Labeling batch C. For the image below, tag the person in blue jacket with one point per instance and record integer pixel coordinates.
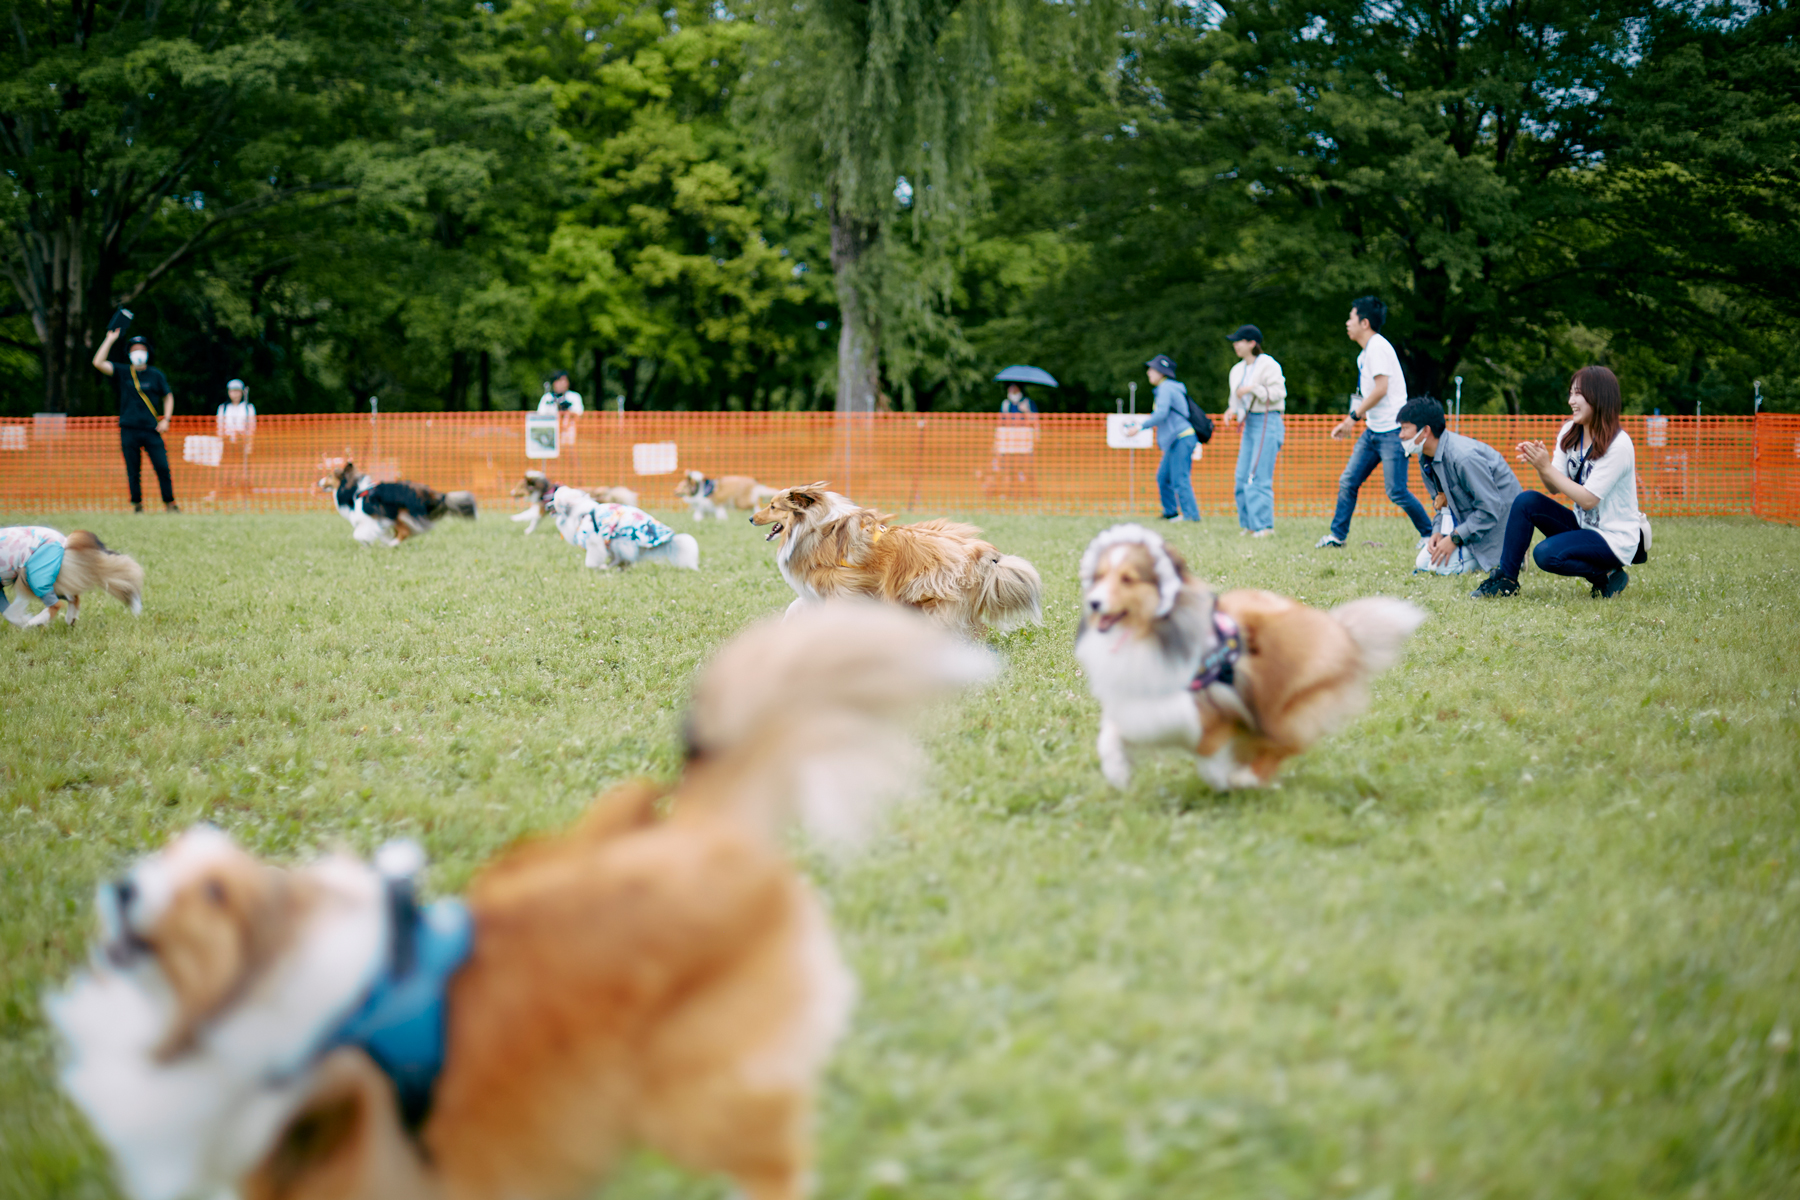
(1175, 434)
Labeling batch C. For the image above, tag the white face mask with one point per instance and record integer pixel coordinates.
(140, 358)
(1413, 447)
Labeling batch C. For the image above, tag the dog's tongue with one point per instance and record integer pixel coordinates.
(774, 530)
(1107, 621)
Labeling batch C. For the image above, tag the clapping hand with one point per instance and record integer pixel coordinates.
(1534, 453)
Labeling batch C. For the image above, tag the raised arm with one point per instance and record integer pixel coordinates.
(102, 361)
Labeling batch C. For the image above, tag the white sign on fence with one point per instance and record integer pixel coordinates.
(1015, 439)
(1119, 439)
(541, 436)
(12, 437)
(654, 458)
(203, 448)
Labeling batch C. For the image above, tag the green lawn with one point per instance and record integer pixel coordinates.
(1531, 928)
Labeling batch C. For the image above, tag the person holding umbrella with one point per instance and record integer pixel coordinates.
(1258, 398)
(1016, 437)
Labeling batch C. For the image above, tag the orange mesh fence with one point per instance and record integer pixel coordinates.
(917, 463)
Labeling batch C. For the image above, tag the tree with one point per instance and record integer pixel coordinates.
(878, 107)
(140, 139)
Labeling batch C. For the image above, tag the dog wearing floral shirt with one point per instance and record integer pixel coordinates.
(619, 535)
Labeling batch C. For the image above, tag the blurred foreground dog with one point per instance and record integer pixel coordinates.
(717, 497)
(1243, 680)
(390, 513)
(619, 535)
(830, 547)
(536, 489)
(658, 975)
(38, 561)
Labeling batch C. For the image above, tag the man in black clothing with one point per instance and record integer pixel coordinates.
(141, 389)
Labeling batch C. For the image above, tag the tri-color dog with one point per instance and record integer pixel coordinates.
(390, 513)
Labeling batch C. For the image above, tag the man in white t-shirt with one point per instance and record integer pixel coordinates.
(559, 398)
(1381, 392)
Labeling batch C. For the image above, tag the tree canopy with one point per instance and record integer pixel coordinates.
(881, 202)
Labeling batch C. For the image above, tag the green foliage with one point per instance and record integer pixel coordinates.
(1525, 929)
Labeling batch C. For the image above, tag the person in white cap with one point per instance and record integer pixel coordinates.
(237, 427)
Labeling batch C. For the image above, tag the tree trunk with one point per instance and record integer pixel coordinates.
(628, 377)
(859, 339)
(456, 398)
(487, 398)
(597, 397)
(1512, 399)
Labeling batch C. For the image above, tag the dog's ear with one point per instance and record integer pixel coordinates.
(1181, 567)
(811, 494)
(346, 1140)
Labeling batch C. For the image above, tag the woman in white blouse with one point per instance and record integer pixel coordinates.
(237, 426)
(1595, 466)
(1258, 398)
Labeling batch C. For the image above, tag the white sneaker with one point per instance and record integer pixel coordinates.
(1264, 533)
(1329, 541)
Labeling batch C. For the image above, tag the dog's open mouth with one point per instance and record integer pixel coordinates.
(1106, 621)
(774, 531)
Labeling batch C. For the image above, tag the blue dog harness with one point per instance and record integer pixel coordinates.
(399, 1023)
(1220, 665)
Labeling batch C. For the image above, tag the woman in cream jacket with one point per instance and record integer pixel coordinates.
(1258, 398)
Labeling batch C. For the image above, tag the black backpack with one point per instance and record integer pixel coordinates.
(1203, 426)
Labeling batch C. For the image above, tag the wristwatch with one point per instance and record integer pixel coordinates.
(1456, 539)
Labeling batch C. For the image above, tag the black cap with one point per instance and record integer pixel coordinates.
(1245, 333)
(139, 341)
(1163, 363)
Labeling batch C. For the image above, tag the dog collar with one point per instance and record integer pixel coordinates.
(706, 487)
(1219, 666)
(400, 1022)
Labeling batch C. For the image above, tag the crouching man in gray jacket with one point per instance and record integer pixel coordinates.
(1471, 487)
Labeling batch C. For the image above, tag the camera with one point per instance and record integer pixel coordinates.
(121, 320)
(563, 406)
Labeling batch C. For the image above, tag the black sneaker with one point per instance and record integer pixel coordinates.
(1612, 586)
(1496, 584)
(171, 507)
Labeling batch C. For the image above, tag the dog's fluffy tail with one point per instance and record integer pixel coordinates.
(1380, 627)
(803, 718)
(88, 564)
(684, 552)
(461, 504)
(1011, 594)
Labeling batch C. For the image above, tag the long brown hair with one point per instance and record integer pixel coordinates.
(1600, 388)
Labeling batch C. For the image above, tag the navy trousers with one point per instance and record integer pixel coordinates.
(135, 438)
(1567, 548)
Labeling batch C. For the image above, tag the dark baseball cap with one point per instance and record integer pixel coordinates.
(1163, 363)
(1245, 333)
(139, 341)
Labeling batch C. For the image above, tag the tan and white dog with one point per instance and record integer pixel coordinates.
(831, 547)
(717, 497)
(33, 556)
(1243, 680)
(657, 976)
(536, 489)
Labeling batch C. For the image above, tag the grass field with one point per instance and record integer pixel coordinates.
(1531, 928)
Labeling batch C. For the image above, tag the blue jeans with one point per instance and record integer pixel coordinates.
(1263, 435)
(1567, 548)
(1372, 448)
(1174, 478)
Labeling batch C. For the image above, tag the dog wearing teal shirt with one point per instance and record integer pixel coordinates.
(38, 561)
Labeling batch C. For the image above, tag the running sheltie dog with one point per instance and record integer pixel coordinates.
(36, 560)
(619, 535)
(390, 513)
(1243, 680)
(717, 497)
(830, 547)
(659, 975)
(536, 489)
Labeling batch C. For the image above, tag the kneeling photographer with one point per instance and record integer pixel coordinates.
(1470, 485)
